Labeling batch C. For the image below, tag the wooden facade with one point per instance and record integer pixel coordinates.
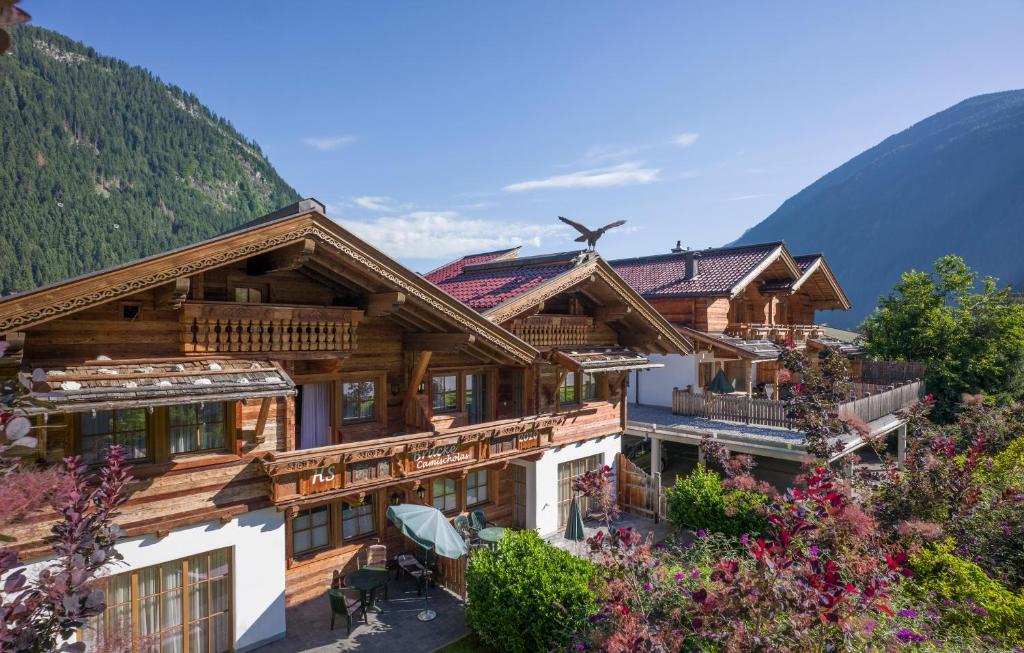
(395, 391)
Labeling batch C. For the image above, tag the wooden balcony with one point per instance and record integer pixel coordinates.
(554, 330)
(229, 327)
(777, 333)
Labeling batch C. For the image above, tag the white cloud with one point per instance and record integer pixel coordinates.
(597, 154)
(327, 143)
(446, 234)
(686, 139)
(380, 203)
(740, 198)
(623, 174)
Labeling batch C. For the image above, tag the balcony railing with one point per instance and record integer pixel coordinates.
(777, 333)
(554, 330)
(227, 327)
(868, 407)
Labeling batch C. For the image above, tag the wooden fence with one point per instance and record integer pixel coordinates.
(731, 408)
(870, 402)
(452, 574)
(890, 372)
(639, 492)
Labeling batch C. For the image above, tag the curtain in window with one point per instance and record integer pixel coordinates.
(315, 424)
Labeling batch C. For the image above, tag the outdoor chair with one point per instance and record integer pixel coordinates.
(479, 520)
(463, 527)
(344, 602)
(377, 556)
(411, 566)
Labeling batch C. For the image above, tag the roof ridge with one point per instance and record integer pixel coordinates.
(705, 251)
(524, 262)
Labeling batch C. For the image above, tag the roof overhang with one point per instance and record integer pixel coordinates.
(593, 268)
(725, 345)
(601, 359)
(111, 385)
(22, 311)
(779, 254)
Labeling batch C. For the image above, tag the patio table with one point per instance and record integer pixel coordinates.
(367, 580)
(491, 535)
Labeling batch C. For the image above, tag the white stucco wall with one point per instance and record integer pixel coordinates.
(542, 479)
(258, 567)
(654, 386)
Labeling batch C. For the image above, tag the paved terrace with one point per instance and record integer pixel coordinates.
(768, 441)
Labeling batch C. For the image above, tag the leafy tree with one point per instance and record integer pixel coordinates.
(969, 334)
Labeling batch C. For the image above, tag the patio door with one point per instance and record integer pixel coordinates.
(476, 397)
(518, 496)
(569, 472)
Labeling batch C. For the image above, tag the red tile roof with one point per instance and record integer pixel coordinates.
(494, 281)
(664, 275)
(449, 270)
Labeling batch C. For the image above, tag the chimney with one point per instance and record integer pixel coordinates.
(692, 264)
(678, 248)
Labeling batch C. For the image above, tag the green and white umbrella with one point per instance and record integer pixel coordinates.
(574, 524)
(428, 527)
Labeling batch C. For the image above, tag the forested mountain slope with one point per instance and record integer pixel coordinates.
(101, 162)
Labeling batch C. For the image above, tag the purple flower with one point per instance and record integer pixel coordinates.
(648, 587)
(814, 551)
(907, 635)
(744, 539)
(701, 533)
(907, 613)
(695, 574)
(680, 576)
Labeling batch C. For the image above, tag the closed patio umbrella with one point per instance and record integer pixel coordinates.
(720, 384)
(574, 524)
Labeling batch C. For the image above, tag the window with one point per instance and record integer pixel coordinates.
(359, 401)
(99, 430)
(311, 530)
(569, 472)
(444, 393)
(475, 393)
(178, 606)
(357, 519)
(197, 427)
(567, 392)
(476, 487)
(588, 387)
(249, 295)
(443, 495)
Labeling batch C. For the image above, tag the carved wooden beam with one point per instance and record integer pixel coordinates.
(173, 295)
(288, 257)
(410, 403)
(384, 303)
(443, 342)
(612, 312)
(261, 421)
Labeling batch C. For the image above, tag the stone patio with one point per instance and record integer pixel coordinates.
(396, 629)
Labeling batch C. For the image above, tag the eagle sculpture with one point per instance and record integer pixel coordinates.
(590, 236)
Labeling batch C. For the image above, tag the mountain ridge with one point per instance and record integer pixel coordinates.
(950, 183)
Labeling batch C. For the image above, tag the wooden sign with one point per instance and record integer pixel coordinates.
(324, 478)
(442, 457)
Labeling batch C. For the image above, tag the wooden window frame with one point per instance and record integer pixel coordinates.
(230, 417)
(458, 493)
(339, 427)
(488, 483)
(576, 390)
(135, 598)
(75, 426)
(460, 374)
(331, 537)
(599, 384)
(264, 289)
(372, 499)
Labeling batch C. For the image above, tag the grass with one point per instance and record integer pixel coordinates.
(468, 644)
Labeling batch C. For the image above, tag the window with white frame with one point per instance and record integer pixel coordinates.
(443, 494)
(476, 487)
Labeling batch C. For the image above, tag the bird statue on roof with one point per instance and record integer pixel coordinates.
(590, 236)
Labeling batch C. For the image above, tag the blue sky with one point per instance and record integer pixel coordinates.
(436, 129)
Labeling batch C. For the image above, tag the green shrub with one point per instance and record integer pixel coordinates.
(528, 595)
(965, 596)
(1005, 469)
(700, 501)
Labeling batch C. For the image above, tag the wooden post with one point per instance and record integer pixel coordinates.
(655, 455)
(411, 403)
(901, 445)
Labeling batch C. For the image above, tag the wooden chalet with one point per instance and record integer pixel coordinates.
(739, 305)
(278, 386)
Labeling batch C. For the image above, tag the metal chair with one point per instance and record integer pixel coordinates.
(345, 602)
(463, 527)
(478, 520)
(377, 556)
(411, 566)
